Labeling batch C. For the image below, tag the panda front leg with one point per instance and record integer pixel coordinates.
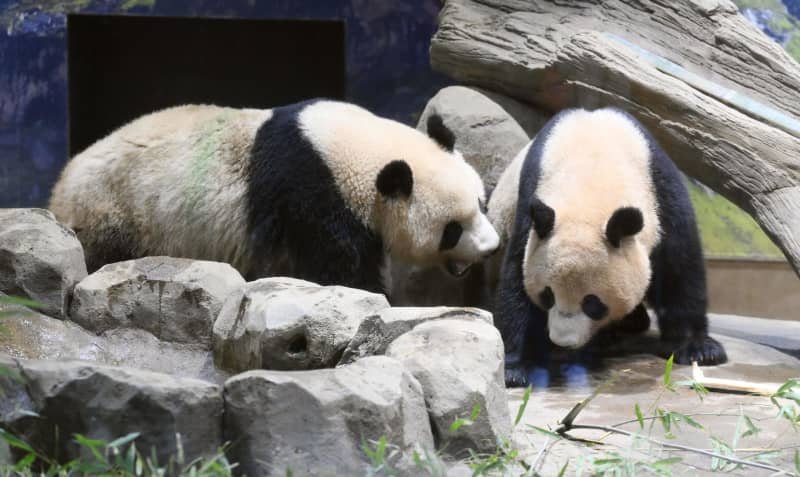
(678, 295)
(523, 327)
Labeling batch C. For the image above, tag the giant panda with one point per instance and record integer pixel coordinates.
(320, 190)
(600, 223)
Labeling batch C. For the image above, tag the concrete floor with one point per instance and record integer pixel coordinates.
(626, 381)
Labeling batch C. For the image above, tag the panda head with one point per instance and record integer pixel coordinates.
(585, 275)
(432, 205)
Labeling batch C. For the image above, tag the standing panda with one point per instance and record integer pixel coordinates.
(603, 222)
(320, 190)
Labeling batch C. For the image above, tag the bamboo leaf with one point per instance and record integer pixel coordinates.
(639, 416)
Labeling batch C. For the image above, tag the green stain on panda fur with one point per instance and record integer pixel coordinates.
(204, 155)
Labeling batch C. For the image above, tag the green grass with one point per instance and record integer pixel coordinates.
(726, 230)
(774, 5)
(118, 458)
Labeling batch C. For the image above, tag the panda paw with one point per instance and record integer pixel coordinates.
(705, 350)
(516, 376)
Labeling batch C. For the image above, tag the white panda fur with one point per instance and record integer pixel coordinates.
(206, 182)
(579, 171)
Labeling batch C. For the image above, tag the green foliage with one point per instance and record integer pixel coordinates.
(726, 230)
(118, 458)
(458, 423)
(787, 400)
(525, 396)
(377, 457)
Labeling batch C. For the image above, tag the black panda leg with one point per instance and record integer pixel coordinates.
(678, 294)
(522, 325)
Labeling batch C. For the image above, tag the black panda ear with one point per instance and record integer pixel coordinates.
(624, 222)
(544, 218)
(440, 133)
(395, 180)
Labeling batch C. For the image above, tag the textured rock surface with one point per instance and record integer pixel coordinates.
(314, 422)
(31, 335)
(460, 365)
(39, 258)
(102, 402)
(175, 299)
(557, 54)
(377, 331)
(285, 323)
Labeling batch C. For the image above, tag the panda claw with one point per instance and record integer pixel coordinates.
(705, 350)
(516, 376)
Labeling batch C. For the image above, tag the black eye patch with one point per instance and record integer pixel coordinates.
(452, 233)
(546, 298)
(593, 307)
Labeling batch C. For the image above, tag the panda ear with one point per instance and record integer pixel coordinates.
(544, 218)
(395, 180)
(624, 222)
(440, 133)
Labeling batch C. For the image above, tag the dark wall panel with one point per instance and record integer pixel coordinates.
(123, 66)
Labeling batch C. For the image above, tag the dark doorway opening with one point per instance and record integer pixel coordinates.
(122, 66)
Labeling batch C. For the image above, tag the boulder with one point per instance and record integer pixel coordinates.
(289, 324)
(39, 259)
(31, 335)
(459, 364)
(378, 331)
(317, 422)
(560, 54)
(105, 403)
(175, 299)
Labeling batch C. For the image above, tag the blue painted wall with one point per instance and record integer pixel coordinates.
(388, 69)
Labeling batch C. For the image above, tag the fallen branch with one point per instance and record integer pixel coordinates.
(563, 432)
(567, 424)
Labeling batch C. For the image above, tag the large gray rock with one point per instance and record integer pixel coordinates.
(39, 259)
(489, 128)
(559, 54)
(175, 299)
(285, 323)
(315, 422)
(104, 403)
(460, 365)
(34, 336)
(377, 331)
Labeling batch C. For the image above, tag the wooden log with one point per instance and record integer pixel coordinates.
(560, 54)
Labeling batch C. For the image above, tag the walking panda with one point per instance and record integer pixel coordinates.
(602, 223)
(319, 190)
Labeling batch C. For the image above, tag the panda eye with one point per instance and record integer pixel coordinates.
(451, 235)
(593, 307)
(546, 298)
